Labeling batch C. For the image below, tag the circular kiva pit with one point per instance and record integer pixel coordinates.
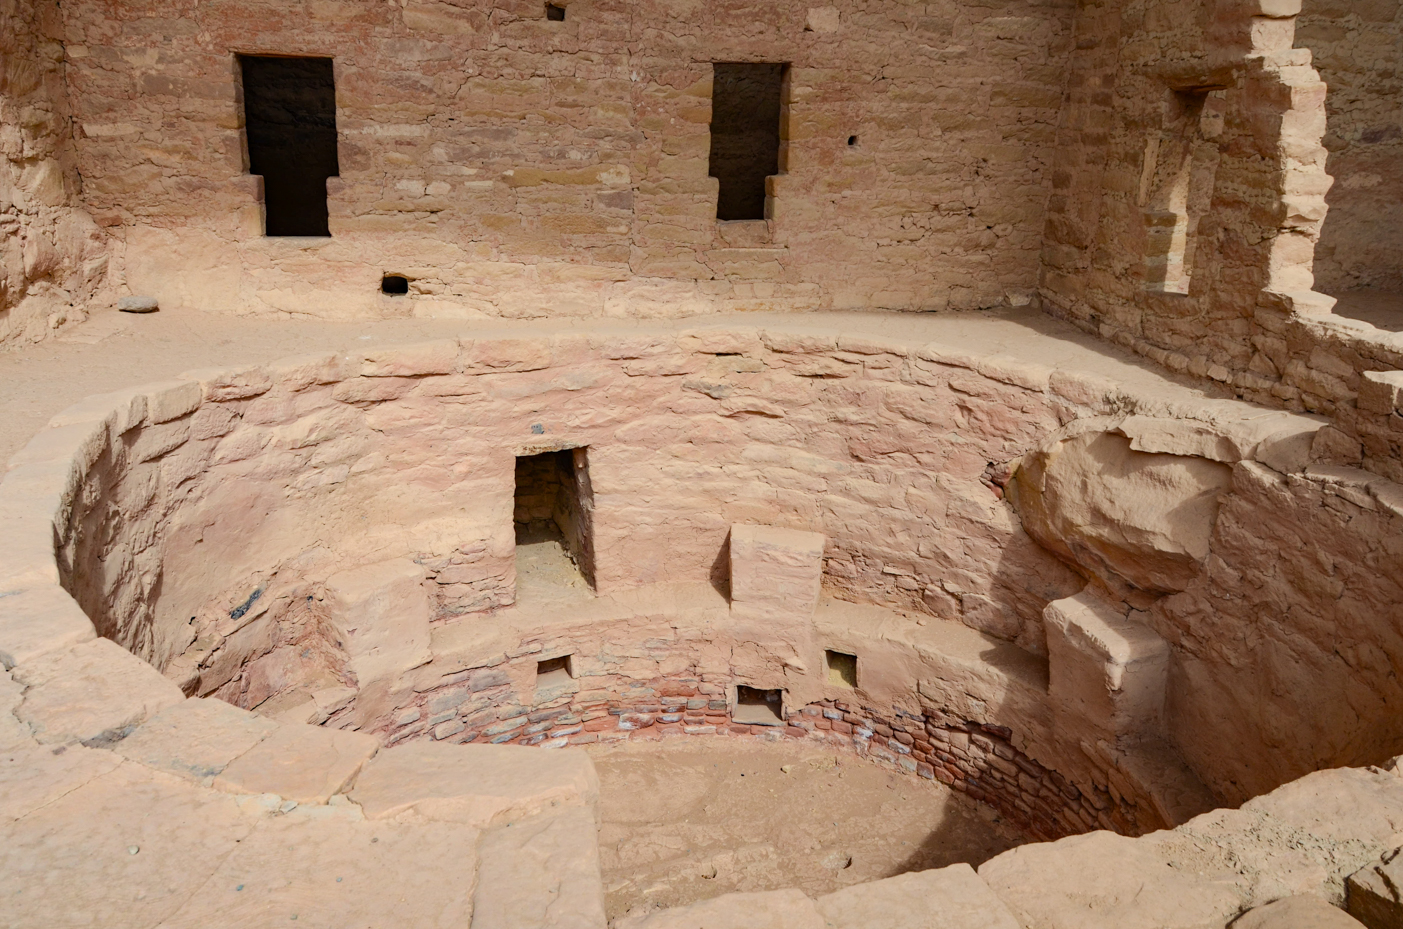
(1080, 605)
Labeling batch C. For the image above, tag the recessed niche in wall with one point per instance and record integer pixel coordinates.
(1176, 186)
(852, 141)
(290, 128)
(842, 668)
(554, 506)
(746, 106)
(555, 13)
(554, 672)
(758, 707)
(394, 284)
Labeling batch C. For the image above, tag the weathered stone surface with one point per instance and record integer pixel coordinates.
(383, 613)
(775, 573)
(1300, 912)
(33, 776)
(541, 872)
(1106, 670)
(125, 849)
(474, 784)
(307, 764)
(38, 621)
(1374, 893)
(1135, 517)
(13, 733)
(93, 691)
(331, 870)
(196, 738)
(772, 909)
(1105, 881)
(947, 898)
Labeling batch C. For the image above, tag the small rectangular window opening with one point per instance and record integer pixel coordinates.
(290, 128)
(758, 707)
(746, 109)
(555, 13)
(554, 513)
(554, 672)
(1176, 186)
(842, 668)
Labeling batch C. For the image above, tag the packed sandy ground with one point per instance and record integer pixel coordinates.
(686, 820)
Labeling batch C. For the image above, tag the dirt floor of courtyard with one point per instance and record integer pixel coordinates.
(693, 818)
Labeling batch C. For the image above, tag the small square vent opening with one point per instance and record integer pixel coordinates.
(842, 668)
(555, 14)
(758, 707)
(554, 672)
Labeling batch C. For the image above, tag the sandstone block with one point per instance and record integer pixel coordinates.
(93, 691)
(775, 573)
(196, 738)
(383, 612)
(541, 872)
(334, 871)
(38, 621)
(1374, 893)
(169, 400)
(304, 763)
(33, 776)
(1380, 391)
(1106, 672)
(1142, 518)
(772, 909)
(946, 898)
(1299, 912)
(74, 855)
(474, 784)
(1106, 881)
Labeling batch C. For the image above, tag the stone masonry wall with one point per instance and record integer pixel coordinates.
(182, 491)
(52, 258)
(977, 759)
(352, 460)
(1358, 50)
(1248, 319)
(512, 165)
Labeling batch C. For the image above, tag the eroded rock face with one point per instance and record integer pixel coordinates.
(1138, 517)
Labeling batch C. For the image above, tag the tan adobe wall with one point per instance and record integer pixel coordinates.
(516, 166)
(1358, 50)
(52, 258)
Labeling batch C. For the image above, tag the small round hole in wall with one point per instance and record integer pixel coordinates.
(852, 141)
(394, 284)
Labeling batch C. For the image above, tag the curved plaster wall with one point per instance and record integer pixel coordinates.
(335, 532)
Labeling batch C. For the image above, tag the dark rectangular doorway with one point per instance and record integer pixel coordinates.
(746, 101)
(554, 502)
(290, 124)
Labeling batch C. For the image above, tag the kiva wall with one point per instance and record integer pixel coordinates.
(194, 494)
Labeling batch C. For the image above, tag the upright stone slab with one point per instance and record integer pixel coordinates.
(1106, 672)
(383, 612)
(775, 573)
